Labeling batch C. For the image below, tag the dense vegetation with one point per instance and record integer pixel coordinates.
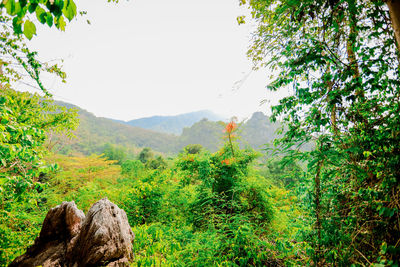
(336, 204)
(198, 208)
(342, 62)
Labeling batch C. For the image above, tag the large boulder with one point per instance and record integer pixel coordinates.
(105, 237)
(68, 238)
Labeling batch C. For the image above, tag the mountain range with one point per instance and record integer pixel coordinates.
(94, 133)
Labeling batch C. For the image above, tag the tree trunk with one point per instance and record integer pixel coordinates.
(394, 11)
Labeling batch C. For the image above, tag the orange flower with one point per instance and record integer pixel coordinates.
(226, 162)
(230, 127)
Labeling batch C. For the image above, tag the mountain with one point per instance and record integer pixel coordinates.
(174, 124)
(255, 133)
(207, 133)
(259, 130)
(94, 133)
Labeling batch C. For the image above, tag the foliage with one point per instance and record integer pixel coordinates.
(46, 11)
(341, 62)
(227, 208)
(25, 121)
(193, 149)
(225, 187)
(145, 201)
(157, 163)
(246, 219)
(132, 168)
(146, 155)
(112, 152)
(17, 60)
(282, 172)
(17, 25)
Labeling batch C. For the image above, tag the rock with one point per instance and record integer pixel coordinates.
(68, 238)
(105, 238)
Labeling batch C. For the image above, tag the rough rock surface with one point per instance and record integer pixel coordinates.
(68, 238)
(105, 237)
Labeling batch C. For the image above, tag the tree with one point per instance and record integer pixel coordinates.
(113, 152)
(146, 155)
(25, 120)
(193, 149)
(340, 60)
(17, 20)
(157, 163)
(394, 11)
(17, 60)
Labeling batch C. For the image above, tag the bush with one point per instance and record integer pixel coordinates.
(132, 168)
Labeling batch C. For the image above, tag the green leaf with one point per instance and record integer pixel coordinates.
(17, 25)
(10, 7)
(383, 248)
(55, 7)
(23, 3)
(60, 23)
(69, 10)
(49, 19)
(3, 180)
(41, 15)
(60, 5)
(29, 29)
(32, 7)
(17, 9)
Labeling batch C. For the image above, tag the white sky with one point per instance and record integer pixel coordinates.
(140, 58)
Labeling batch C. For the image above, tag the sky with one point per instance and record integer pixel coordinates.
(141, 58)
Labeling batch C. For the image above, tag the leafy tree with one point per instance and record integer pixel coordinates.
(144, 203)
(157, 163)
(340, 60)
(223, 183)
(25, 120)
(16, 24)
(17, 60)
(146, 155)
(113, 152)
(193, 149)
(286, 173)
(230, 199)
(132, 167)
